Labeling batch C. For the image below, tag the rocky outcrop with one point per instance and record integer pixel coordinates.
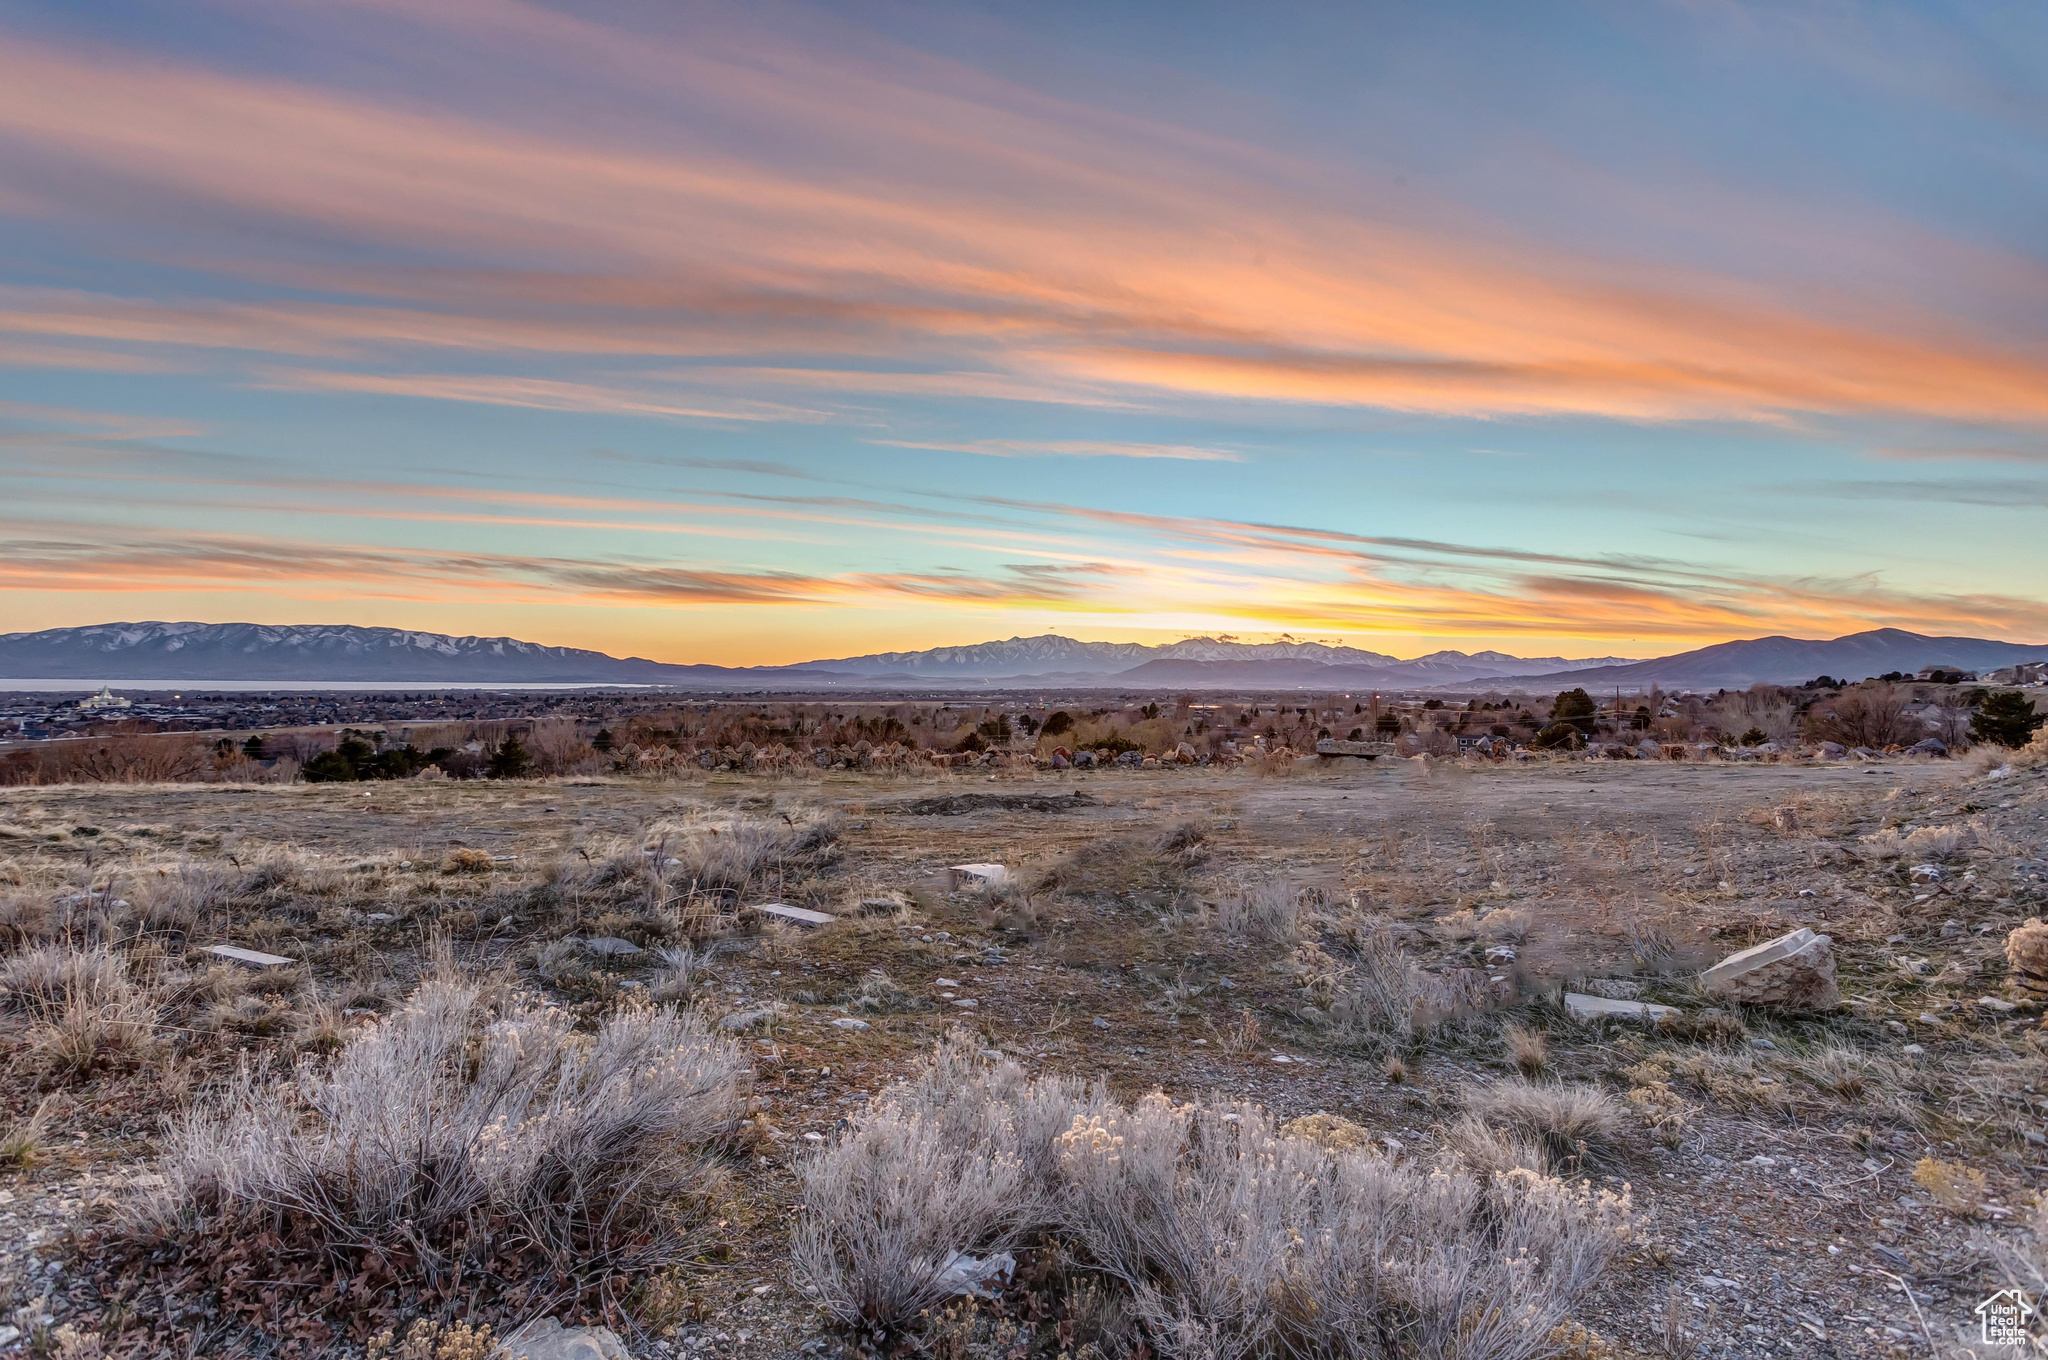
(2026, 957)
(1792, 972)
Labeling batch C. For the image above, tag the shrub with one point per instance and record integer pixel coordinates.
(1377, 995)
(1870, 715)
(1574, 1124)
(1227, 1237)
(1263, 911)
(957, 1158)
(1957, 1188)
(728, 855)
(460, 1127)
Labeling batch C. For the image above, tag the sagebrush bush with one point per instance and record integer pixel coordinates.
(1377, 994)
(957, 1158)
(1226, 1237)
(459, 1120)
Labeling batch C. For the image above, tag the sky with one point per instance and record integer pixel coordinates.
(757, 333)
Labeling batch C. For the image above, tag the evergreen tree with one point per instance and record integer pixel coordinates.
(2006, 719)
(510, 760)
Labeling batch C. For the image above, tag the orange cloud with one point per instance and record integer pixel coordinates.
(1069, 254)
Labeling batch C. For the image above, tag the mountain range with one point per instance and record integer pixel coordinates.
(312, 655)
(1783, 660)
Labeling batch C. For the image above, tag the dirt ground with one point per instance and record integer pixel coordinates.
(1772, 1157)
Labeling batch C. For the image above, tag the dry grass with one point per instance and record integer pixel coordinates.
(22, 1141)
(1576, 1125)
(85, 1010)
(1527, 1048)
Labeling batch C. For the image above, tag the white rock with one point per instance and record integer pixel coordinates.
(848, 1022)
(801, 915)
(1796, 971)
(1995, 1005)
(547, 1339)
(945, 982)
(1582, 1007)
(248, 958)
(975, 875)
(611, 946)
(745, 1020)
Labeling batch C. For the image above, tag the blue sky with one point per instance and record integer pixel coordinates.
(748, 334)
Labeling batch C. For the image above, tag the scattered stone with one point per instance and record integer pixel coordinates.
(1931, 746)
(975, 875)
(1996, 1006)
(1913, 1050)
(1925, 873)
(1764, 1044)
(803, 916)
(848, 1022)
(966, 1004)
(2026, 956)
(1582, 1007)
(548, 1339)
(378, 918)
(1101, 1023)
(1795, 971)
(945, 982)
(248, 958)
(611, 947)
(1500, 953)
(741, 1021)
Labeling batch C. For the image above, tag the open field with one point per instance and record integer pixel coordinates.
(1314, 944)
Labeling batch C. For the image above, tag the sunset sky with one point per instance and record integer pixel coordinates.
(766, 332)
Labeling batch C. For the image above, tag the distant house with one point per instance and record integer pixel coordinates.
(1944, 675)
(2026, 673)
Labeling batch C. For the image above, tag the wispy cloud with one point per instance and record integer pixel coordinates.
(1070, 448)
(1077, 256)
(538, 394)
